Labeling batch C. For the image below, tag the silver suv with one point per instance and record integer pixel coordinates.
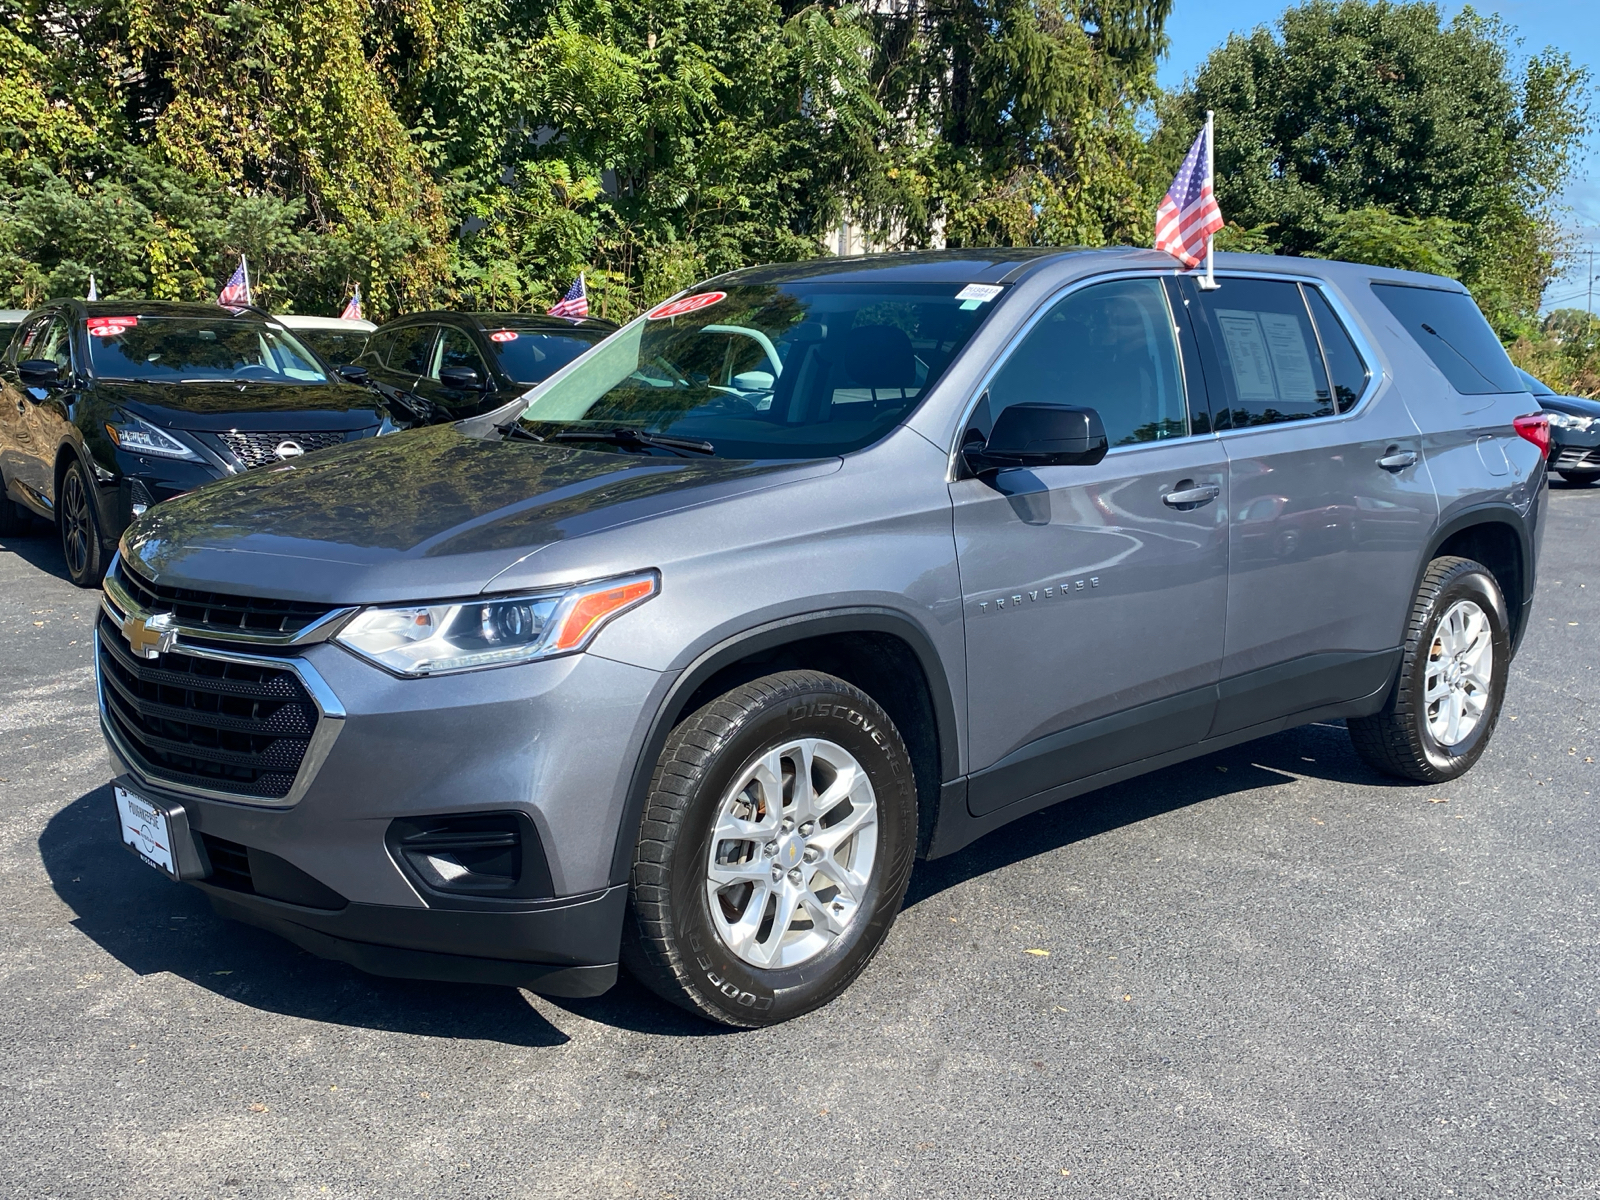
(682, 659)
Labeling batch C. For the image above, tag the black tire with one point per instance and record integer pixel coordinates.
(1397, 740)
(79, 526)
(1579, 478)
(670, 941)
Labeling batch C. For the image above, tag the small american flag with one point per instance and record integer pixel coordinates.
(237, 290)
(575, 303)
(352, 310)
(1188, 214)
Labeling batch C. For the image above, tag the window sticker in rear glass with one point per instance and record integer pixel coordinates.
(109, 327)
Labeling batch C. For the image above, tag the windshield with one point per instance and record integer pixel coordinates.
(197, 349)
(787, 370)
(533, 355)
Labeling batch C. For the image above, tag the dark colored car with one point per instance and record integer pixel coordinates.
(112, 406)
(1574, 432)
(443, 366)
(679, 660)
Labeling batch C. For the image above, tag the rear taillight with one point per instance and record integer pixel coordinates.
(1535, 428)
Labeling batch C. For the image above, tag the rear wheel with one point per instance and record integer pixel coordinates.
(80, 529)
(775, 850)
(1580, 478)
(1444, 705)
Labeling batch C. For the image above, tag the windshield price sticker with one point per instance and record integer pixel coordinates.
(503, 335)
(110, 326)
(685, 304)
(979, 292)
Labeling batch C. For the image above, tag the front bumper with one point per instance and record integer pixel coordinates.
(1574, 451)
(553, 740)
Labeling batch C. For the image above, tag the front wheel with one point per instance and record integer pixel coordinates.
(775, 849)
(1444, 705)
(80, 529)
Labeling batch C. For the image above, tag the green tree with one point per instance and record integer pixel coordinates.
(1376, 130)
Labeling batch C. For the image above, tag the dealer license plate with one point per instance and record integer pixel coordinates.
(145, 828)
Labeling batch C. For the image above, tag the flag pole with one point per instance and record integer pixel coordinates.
(244, 264)
(1209, 283)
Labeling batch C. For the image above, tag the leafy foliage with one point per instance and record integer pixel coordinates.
(1375, 131)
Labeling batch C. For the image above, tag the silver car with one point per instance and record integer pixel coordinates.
(681, 660)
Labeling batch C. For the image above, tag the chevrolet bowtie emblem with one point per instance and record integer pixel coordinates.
(150, 637)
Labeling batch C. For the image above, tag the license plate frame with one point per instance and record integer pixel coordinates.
(146, 828)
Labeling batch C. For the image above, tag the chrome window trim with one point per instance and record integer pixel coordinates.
(320, 630)
(330, 721)
(953, 467)
(1364, 350)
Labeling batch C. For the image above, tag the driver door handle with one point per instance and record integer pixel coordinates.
(1398, 460)
(1187, 495)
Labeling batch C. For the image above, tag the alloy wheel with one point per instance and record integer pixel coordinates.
(76, 524)
(1460, 670)
(792, 852)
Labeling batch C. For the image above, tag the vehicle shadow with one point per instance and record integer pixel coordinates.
(39, 547)
(150, 925)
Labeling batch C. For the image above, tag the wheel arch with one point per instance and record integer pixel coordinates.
(881, 651)
(1497, 536)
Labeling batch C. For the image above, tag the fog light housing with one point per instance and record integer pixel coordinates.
(471, 859)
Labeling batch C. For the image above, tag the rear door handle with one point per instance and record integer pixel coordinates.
(1189, 496)
(1398, 461)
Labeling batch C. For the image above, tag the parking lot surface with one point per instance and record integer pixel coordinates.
(1267, 972)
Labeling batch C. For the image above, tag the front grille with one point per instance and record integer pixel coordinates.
(1570, 458)
(200, 722)
(260, 449)
(214, 610)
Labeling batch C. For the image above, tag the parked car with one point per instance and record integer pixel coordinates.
(1574, 432)
(442, 366)
(112, 406)
(10, 320)
(339, 340)
(656, 667)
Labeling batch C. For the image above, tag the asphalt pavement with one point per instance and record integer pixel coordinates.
(1270, 972)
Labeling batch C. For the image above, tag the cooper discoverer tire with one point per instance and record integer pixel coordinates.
(1443, 707)
(774, 852)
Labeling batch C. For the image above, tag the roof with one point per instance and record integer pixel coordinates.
(491, 320)
(300, 321)
(978, 265)
(145, 308)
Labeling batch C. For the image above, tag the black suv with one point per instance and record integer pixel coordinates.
(443, 366)
(112, 406)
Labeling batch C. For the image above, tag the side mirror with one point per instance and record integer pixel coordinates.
(462, 379)
(1040, 435)
(351, 373)
(38, 372)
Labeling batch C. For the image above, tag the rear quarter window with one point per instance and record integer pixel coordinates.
(1453, 333)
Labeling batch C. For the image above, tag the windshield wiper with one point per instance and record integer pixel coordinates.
(513, 429)
(636, 439)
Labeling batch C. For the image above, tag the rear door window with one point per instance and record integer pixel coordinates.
(1345, 365)
(1266, 355)
(1453, 333)
(1110, 347)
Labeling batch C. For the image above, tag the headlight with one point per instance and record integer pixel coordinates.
(141, 437)
(1561, 420)
(429, 639)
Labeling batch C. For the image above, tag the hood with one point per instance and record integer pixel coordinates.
(266, 406)
(423, 515)
(1575, 406)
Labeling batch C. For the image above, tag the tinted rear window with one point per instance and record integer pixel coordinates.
(1453, 333)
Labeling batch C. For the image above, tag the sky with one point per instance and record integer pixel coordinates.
(1198, 26)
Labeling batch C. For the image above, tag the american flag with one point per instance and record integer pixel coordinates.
(1188, 214)
(352, 310)
(575, 303)
(237, 290)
